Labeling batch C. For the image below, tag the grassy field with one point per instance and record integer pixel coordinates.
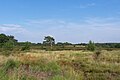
(61, 65)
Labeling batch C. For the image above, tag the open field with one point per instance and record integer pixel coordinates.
(59, 39)
(61, 65)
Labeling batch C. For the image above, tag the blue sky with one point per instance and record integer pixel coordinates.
(74, 21)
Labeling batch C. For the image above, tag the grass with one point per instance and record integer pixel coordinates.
(61, 65)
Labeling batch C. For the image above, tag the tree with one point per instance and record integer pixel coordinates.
(59, 44)
(117, 45)
(91, 46)
(4, 39)
(12, 38)
(48, 40)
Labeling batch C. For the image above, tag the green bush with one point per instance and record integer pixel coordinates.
(26, 46)
(91, 46)
(8, 45)
(7, 48)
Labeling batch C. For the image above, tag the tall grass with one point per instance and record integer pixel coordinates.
(61, 65)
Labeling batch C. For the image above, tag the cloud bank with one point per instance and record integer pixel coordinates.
(95, 28)
(11, 28)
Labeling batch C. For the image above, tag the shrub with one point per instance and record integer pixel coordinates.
(26, 46)
(91, 46)
(7, 48)
(8, 45)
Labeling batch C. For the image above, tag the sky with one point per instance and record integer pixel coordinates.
(75, 21)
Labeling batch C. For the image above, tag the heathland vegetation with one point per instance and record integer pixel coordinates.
(58, 61)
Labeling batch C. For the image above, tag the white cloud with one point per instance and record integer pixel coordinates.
(86, 5)
(95, 28)
(16, 30)
(11, 28)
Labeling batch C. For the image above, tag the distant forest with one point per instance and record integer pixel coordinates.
(9, 42)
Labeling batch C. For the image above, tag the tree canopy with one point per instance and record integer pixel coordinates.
(6, 38)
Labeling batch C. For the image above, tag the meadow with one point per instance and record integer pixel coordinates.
(61, 65)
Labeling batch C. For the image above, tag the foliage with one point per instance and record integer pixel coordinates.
(12, 39)
(48, 40)
(9, 45)
(7, 48)
(91, 46)
(62, 65)
(4, 38)
(108, 45)
(26, 46)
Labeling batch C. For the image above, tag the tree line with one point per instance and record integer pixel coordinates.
(9, 42)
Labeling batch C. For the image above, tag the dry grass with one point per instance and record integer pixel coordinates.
(67, 65)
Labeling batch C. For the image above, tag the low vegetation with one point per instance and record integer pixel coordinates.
(60, 61)
(61, 65)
